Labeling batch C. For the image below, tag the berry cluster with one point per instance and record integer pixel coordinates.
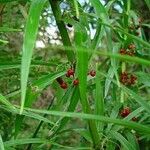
(127, 79)
(70, 73)
(125, 112)
(134, 29)
(129, 51)
(63, 84)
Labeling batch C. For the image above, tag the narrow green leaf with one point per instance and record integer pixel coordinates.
(110, 75)
(1, 144)
(73, 103)
(148, 3)
(126, 144)
(4, 101)
(24, 141)
(6, 29)
(133, 140)
(129, 124)
(28, 45)
(99, 101)
(27, 114)
(100, 10)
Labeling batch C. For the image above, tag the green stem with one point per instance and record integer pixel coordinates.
(62, 29)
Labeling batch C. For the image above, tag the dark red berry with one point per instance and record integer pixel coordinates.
(70, 72)
(64, 85)
(59, 80)
(122, 51)
(92, 73)
(76, 82)
(133, 79)
(125, 112)
(124, 78)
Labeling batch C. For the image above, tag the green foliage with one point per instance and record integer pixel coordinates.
(103, 104)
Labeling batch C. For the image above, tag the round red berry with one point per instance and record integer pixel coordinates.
(133, 79)
(92, 73)
(70, 72)
(76, 82)
(64, 85)
(125, 112)
(59, 80)
(122, 51)
(124, 78)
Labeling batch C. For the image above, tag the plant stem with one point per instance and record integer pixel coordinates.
(62, 28)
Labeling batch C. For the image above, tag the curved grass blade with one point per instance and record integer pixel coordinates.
(5, 29)
(108, 81)
(1, 144)
(124, 142)
(17, 64)
(5, 102)
(73, 103)
(133, 140)
(24, 141)
(6, 1)
(28, 45)
(28, 114)
(129, 124)
(148, 3)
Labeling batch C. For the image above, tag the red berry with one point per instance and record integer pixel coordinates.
(122, 51)
(125, 112)
(64, 85)
(59, 80)
(76, 82)
(124, 78)
(133, 78)
(70, 72)
(92, 73)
